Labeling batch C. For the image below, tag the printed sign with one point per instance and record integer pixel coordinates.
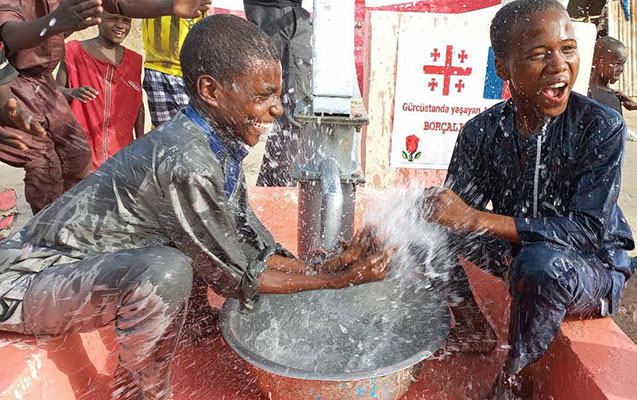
(441, 83)
(445, 76)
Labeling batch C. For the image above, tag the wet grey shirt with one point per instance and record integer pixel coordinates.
(165, 189)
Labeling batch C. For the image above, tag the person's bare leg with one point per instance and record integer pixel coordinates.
(472, 332)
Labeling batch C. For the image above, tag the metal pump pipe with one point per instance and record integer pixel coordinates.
(329, 144)
(331, 203)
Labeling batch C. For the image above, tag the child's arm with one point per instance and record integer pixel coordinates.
(83, 94)
(158, 8)
(626, 101)
(139, 122)
(372, 267)
(62, 80)
(71, 15)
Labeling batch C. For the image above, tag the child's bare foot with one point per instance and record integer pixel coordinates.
(472, 332)
(190, 8)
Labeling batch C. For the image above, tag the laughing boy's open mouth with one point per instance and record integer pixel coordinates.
(556, 92)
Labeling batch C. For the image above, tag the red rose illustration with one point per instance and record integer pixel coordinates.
(411, 144)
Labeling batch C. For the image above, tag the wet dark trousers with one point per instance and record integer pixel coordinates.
(546, 283)
(143, 291)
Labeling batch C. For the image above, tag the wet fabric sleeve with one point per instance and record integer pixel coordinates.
(205, 231)
(467, 174)
(10, 12)
(598, 178)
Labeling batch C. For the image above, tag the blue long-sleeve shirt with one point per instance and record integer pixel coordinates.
(561, 185)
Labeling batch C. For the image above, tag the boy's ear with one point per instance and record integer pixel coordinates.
(502, 70)
(210, 90)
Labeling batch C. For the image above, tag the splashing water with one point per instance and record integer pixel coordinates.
(365, 327)
(400, 220)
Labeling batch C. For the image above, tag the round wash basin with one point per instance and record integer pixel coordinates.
(338, 344)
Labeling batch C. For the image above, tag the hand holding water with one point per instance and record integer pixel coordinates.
(444, 207)
(366, 258)
(369, 269)
(365, 243)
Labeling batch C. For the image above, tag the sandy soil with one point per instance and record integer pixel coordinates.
(626, 314)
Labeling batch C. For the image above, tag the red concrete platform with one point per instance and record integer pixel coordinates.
(589, 360)
(8, 211)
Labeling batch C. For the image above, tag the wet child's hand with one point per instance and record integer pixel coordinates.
(191, 8)
(14, 117)
(75, 15)
(84, 94)
(365, 243)
(369, 269)
(447, 209)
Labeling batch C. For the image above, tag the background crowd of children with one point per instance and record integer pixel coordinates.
(61, 128)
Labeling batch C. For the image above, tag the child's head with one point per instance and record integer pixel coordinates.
(114, 27)
(233, 75)
(609, 59)
(536, 51)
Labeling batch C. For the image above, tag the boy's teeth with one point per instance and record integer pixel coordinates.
(557, 85)
(261, 125)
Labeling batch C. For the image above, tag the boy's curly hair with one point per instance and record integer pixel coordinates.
(505, 20)
(223, 46)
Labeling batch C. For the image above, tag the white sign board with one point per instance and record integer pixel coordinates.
(445, 76)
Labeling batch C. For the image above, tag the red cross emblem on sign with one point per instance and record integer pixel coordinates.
(448, 70)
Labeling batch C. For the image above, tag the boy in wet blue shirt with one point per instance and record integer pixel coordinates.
(549, 161)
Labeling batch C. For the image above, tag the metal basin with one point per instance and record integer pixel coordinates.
(338, 344)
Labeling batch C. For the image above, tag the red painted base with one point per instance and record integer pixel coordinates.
(589, 359)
